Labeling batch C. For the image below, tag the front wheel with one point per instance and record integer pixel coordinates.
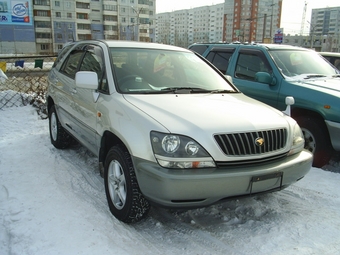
(125, 200)
(316, 139)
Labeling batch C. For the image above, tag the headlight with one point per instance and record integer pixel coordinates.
(177, 151)
(298, 140)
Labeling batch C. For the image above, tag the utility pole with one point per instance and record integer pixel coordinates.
(311, 34)
(271, 23)
(137, 13)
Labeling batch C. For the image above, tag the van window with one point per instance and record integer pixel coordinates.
(220, 59)
(249, 63)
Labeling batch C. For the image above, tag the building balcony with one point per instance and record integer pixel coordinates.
(83, 21)
(81, 10)
(42, 30)
(42, 7)
(43, 40)
(110, 22)
(41, 18)
(84, 31)
(110, 32)
(106, 12)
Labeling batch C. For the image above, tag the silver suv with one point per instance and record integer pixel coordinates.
(168, 128)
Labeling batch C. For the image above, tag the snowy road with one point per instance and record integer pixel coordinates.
(53, 202)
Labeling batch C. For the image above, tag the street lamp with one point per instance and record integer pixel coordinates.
(137, 12)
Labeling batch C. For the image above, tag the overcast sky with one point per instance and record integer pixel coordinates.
(291, 12)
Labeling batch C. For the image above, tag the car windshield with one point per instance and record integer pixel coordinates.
(145, 71)
(302, 64)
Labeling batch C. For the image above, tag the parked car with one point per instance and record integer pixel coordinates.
(168, 128)
(272, 72)
(332, 57)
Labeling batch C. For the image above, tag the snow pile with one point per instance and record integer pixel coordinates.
(53, 202)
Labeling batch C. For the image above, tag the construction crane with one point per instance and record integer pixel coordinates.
(303, 18)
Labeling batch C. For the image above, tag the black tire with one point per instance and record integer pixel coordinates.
(125, 200)
(316, 139)
(59, 137)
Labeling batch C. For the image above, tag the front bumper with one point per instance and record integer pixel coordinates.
(202, 187)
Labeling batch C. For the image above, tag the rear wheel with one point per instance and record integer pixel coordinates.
(125, 200)
(59, 137)
(316, 139)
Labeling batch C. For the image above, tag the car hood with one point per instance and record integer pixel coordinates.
(326, 84)
(212, 113)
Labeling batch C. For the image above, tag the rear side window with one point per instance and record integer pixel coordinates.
(220, 59)
(200, 49)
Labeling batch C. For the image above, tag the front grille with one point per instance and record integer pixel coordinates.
(243, 144)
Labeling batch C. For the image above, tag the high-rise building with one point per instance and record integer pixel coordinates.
(233, 20)
(50, 24)
(325, 29)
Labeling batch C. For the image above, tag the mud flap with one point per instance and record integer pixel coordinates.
(270, 178)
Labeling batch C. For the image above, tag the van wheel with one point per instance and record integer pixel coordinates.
(126, 202)
(316, 140)
(59, 137)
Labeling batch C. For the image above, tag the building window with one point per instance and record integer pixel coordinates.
(57, 3)
(43, 35)
(69, 26)
(82, 16)
(110, 18)
(60, 46)
(44, 46)
(58, 14)
(82, 5)
(42, 13)
(83, 26)
(42, 2)
(108, 7)
(42, 24)
(59, 36)
(69, 15)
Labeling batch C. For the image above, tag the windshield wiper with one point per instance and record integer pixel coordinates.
(223, 91)
(314, 76)
(183, 90)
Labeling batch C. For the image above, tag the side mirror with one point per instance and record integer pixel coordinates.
(265, 77)
(87, 80)
(289, 101)
(229, 78)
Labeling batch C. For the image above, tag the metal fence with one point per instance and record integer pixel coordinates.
(23, 80)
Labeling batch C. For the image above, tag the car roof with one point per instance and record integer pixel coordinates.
(134, 44)
(253, 45)
(330, 54)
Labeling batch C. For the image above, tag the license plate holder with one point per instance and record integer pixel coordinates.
(267, 177)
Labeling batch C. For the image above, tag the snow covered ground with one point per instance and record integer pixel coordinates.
(53, 202)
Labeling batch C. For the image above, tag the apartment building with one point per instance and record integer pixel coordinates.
(325, 28)
(233, 20)
(184, 27)
(51, 24)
